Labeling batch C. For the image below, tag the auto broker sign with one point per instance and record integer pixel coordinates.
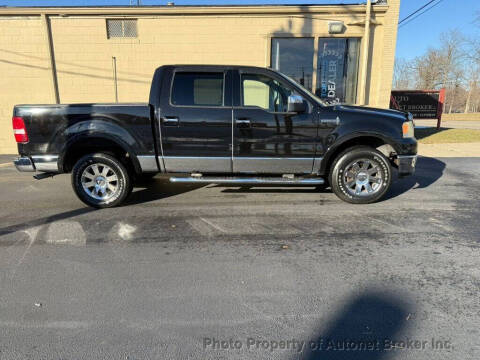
(422, 104)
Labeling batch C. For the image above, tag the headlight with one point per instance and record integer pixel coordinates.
(408, 129)
(410, 118)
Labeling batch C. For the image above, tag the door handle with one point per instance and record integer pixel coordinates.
(169, 121)
(242, 122)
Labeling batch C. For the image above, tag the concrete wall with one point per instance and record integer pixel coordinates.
(25, 72)
(224, 35)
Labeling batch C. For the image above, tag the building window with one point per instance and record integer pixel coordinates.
(121, 28)
(337, 69)
(337, 65)
(197, 89)
(294, 58)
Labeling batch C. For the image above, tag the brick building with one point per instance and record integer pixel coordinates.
(108, 54)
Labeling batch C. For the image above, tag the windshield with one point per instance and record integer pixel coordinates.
(314, 97)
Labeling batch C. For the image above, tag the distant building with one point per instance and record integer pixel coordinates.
(105, 54)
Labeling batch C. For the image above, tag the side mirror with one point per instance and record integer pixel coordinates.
(296, 104)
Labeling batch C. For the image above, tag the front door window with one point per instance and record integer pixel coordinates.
(264, 92)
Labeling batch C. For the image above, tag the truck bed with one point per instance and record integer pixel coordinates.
(52, 128)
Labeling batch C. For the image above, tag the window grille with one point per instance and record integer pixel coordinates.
(121, 28)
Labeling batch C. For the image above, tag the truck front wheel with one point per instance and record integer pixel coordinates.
(361, 175)
(101, 181)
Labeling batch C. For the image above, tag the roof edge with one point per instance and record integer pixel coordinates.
(190, 9)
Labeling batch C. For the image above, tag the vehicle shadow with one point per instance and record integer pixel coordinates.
(428, 171)
(45, 220)
(265, 189)
(156, 189)
(423, 132)
(152, 190)
(368, 328)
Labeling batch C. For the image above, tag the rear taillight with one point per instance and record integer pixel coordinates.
(19, 130)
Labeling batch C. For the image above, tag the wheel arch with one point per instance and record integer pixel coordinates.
(84, 144)
(379, 142)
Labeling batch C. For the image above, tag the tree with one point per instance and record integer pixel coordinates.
(427, 69)
(452, 54)
(402, 76)
(473, 66)
(454, 65)
(473, 75)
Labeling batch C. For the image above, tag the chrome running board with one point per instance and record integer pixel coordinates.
(249, 180)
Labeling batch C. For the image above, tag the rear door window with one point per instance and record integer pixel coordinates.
(197, 89)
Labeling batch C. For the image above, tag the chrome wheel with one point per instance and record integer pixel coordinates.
(363, 177)
(100, 182)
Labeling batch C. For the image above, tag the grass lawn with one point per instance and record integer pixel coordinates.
(446, 135)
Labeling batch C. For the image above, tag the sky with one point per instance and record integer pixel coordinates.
(413, 40)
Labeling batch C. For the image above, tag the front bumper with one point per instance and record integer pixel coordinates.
(46, 163)
(406, 164)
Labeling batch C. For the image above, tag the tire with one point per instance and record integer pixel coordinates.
(360, 175)
(101, 181)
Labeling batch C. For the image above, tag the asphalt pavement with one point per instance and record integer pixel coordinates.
(224, 272)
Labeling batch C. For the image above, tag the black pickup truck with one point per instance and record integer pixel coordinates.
(217, 124)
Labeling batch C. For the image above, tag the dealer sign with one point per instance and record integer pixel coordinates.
(422, 104)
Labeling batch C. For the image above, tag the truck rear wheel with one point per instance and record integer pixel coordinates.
(101, 181)
(361, 175)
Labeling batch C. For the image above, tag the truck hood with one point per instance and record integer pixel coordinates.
(361, 110)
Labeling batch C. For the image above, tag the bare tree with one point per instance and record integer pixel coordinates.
(473, 70)
(453, 65)
(402, 76)
(427, 69)
(473, 74)
(452, 54)
(452, 51)
(456, 89)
